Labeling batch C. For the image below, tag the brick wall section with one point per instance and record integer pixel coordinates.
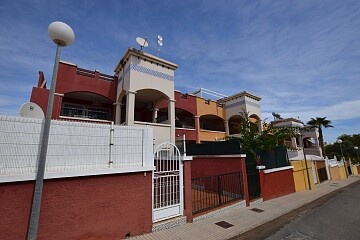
(187, 191)
(211, 166)
(276, 184)
(98, 207)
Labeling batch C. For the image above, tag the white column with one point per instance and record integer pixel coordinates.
(226, 127)
(130, 107)
(171, 117)
(117, 113)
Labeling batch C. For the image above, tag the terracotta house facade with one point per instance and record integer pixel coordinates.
(142, 93)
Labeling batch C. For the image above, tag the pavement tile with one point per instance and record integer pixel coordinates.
(244, 219)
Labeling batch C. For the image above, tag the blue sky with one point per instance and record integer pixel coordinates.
(302, 57)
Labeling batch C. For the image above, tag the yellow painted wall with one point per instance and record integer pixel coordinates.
(354, 170)
(300, 175)
(342, 172)
(209, 109)
(334, 173)
(203, 108)
(205, 135)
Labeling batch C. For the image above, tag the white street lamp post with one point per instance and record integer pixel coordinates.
(339, 141)
(357, 152)
(62, 35)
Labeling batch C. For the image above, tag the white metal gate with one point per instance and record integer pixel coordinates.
(167, 183)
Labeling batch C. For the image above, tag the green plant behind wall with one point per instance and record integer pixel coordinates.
(253, 141)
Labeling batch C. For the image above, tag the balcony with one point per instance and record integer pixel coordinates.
(85, 112)
(212, 127)
(188, 123)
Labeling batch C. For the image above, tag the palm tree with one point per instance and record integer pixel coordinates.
(319, 123)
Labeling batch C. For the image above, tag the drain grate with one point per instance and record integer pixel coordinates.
(224, 224)
(257, 210)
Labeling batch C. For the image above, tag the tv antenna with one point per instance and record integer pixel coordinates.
(142, 42)
(159, 43)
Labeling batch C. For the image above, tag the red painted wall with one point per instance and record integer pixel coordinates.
(190, 135)
(40, 97)
(277, 184)
(211, 166)
(99, 207)
(186, 102)
(69, 81)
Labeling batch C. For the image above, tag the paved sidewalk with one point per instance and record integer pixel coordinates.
(245, 219)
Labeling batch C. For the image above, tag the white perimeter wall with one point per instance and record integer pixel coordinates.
(74, 148)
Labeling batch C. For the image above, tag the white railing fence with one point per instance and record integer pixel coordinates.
(73, 146)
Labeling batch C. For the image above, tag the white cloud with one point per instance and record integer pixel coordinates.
(341, 111)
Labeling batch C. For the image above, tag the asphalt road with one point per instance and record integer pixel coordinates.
(334, 216)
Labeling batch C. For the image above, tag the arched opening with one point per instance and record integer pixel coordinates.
(120, 117)
(255, 120)
(184, 119)
(162, 115)
(235, 124)
(87, 105)
(212, 123)
(309, 142)
(287, 142)
(146, 106)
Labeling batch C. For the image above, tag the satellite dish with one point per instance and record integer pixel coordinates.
(142, 42)
(31, 110)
